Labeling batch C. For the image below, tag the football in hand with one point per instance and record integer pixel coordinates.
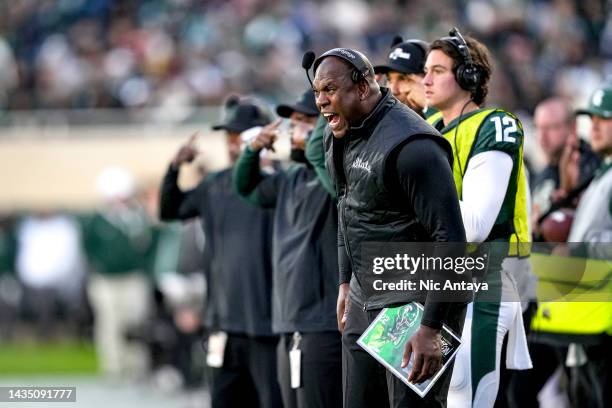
(556, 227)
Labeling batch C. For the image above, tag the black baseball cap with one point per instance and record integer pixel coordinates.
(306, 105)
(407, 57)
(242, 114)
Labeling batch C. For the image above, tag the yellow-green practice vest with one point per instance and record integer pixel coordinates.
(466, 133)
(574, 295)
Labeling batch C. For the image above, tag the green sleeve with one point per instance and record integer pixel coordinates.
(251, 184)
(500, 131)
(315, 153)
(429, 112)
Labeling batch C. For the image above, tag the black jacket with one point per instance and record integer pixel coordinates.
(304, 244)
(379, 201)
(236, 254)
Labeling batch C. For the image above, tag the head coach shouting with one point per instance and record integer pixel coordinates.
(394, 183)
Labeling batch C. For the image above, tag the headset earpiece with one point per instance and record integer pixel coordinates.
(467, 74)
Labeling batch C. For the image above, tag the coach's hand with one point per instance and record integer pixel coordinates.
(266, 137)
(426, 346)
(186, 153)
(342, 307)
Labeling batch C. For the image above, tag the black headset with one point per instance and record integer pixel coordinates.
(361, 69)
(467, 74)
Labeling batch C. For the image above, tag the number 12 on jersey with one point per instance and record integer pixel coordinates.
(504, 128)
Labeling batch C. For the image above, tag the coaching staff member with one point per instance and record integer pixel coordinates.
(392, 173)
(238, 267)
(304, 261)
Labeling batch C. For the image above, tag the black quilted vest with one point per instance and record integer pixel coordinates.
(368, 210)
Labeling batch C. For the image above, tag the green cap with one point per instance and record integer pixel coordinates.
(600, 103)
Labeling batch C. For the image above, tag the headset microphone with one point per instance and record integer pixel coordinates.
(307, 61)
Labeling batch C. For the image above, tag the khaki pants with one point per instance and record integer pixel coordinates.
(119, 303)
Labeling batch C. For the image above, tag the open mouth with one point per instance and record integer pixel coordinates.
(332, 119)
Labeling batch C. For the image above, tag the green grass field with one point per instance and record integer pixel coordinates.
(53, 358)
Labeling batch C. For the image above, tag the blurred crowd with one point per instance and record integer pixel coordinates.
(177, 54)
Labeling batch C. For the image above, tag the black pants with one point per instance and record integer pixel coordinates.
(366, 383)
(320, 374)
(248, 375)
(597, 374)
(526, 385)
(588, 385)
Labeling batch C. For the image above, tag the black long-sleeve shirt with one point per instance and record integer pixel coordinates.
(304, 253)
(426, 193)
(237, 253)
(418, 166)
